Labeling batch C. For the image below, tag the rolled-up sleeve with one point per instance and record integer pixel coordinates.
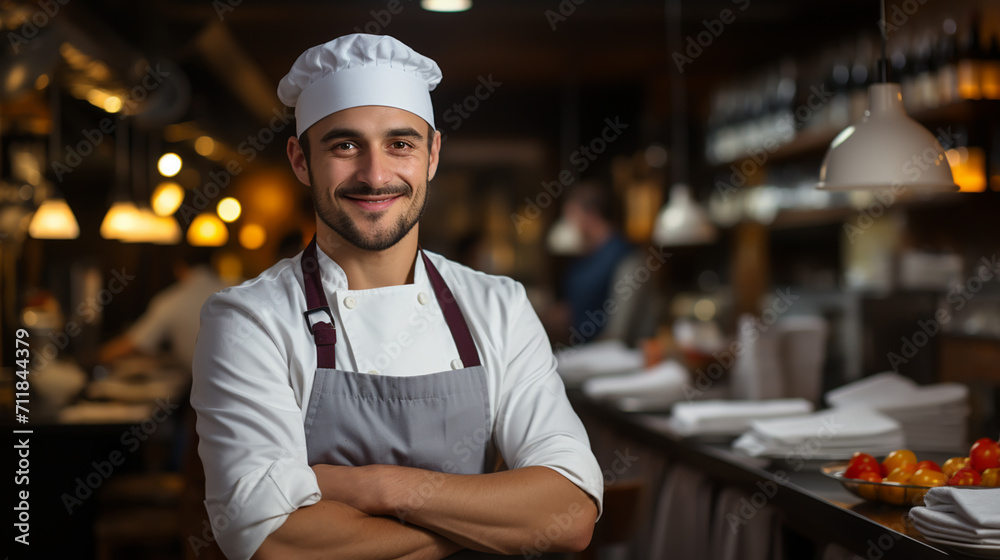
(252, 441)
(536, 425)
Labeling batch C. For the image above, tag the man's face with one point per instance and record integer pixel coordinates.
(369, 168)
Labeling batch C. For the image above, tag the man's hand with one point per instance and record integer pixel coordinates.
(499, 512)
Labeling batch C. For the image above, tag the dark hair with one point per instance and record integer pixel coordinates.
(304, 141)
(595, 198)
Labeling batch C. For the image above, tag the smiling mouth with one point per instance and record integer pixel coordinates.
(373, 203)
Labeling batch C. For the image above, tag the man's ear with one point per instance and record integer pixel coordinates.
(432, 163)
(298, 160)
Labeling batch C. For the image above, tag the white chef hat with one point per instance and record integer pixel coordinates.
(356, 70)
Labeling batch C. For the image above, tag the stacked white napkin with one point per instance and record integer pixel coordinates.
(730, 418)
(830, 434)
(654, 388)
(605, 357)
(960, 515)
(933, 417)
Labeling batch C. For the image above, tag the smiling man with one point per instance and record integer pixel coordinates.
(356, 400)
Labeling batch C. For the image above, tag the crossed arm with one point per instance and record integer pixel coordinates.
(509, 512)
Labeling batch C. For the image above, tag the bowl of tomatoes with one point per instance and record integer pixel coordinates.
(901, 480)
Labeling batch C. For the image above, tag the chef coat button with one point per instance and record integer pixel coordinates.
(422, 298)
(456, 364)
(350, 302)
(373, 372)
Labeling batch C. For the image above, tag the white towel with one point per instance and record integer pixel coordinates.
(605, 357)
(664, 381)
(723, 417)
(977, 506)
(963, 515)
(829, 434)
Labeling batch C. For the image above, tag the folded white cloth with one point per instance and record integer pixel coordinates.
(664, 382)
(963, 515)
(889, 391)
(933, 417)
(943, 525)
(976, 506)
(605, 357)
(724, 417)
(830, 434)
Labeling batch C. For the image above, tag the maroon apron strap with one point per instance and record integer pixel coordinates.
(324, 333)
(453, 315)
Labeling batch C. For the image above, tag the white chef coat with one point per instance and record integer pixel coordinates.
(255, 363)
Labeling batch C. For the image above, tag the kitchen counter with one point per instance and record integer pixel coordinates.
(815, 507)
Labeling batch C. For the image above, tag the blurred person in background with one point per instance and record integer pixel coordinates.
(173, 314)
(589, 209)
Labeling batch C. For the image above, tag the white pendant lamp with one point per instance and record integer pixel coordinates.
(122, 218)
(683, 221)
(54, 220)
(886, 149)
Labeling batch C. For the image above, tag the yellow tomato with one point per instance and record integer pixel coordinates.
(869, 491)
(953, 465)
(891, 493)
(991, 477)
(898, 458)
(928, 477)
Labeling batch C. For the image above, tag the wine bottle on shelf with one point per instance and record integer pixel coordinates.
(989, 76)
(947, 65)
(927, 90)
(970, 63)
(860, 78)
(908, 78)
(838, 109)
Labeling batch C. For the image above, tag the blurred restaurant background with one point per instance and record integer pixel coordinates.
(142, 141)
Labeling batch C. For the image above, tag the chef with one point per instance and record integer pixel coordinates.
(355, 401)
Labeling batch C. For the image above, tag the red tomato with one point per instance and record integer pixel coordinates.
(965, 477)
(860, 458)
(855, 471)
(985, 454)
(928, 465)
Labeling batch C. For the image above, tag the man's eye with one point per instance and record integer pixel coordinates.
(400, 145)
(344, 146)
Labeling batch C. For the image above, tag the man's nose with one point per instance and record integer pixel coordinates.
(373, 169)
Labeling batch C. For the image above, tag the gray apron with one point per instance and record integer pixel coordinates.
(439, 421)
